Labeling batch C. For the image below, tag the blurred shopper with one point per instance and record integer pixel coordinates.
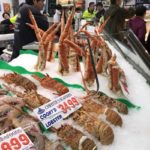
(99, 11)
(131, 12)
(8, 23)
(6, 20)
(148, 43)
(23, 33)
(90, 13)
(77, 18)
(138, 25)
(116, 23)
(57, 15)
(46, 14)
(6, 15)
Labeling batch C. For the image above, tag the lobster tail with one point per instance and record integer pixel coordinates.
(113, 117)
(106, 133)
(94, 126)
(75, 138)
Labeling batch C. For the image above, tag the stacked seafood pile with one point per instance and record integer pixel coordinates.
(89, 117)
(98, 112)
(71, 48)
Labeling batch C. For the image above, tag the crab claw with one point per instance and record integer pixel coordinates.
(75, 47)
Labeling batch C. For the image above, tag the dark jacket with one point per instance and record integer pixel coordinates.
(99, 14)
(6, 27)
(116, 22)
(23, 33)
(138, 26)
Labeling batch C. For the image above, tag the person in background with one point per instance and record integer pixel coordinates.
(116, 22)
(77, 17)
(23, 33)
(10, 20)
(46, 14)
(6, 15)
(138, 25)
(148, 43)
(131, 11)
(57, 15)
(90, 13)
(99, 11)
(8, 23)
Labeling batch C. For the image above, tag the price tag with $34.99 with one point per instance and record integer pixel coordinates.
(53, 112)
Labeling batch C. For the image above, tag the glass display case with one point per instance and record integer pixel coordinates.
(130, 49)
(136, 123)
(133, 51)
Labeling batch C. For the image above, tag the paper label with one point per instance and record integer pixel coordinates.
(15, 139)
(53, 112)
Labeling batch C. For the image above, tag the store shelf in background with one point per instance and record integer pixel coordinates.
(67, 3)
(35, 46)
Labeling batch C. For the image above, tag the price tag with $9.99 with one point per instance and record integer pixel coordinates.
(15, 140)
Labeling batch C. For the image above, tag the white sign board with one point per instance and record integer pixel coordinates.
(15, 140)
(55, 111)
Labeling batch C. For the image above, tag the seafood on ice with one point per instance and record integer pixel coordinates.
(91, 106)
(49, 83)
(108, 101)
(31, 98)
(116, 76)
(19, 80)
(75, 138)
(98, 128)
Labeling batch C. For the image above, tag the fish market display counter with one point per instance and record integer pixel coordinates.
(132, 133)
(111, 114)
(6, 39)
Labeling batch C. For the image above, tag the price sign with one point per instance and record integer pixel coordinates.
(56, 110)
(15, 140)
(68, 104)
